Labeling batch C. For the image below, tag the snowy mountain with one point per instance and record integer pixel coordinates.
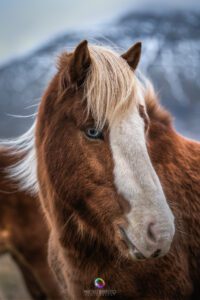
(171, 58)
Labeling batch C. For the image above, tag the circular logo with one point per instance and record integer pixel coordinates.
(99, 283)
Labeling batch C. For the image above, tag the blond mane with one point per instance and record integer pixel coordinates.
(111, 86)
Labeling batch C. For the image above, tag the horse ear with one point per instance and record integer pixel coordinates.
(132, 56)
(80, 62)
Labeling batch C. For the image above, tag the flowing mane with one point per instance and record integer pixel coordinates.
(24, 171)
(109, 89)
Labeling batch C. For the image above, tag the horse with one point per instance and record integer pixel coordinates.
(23, 232)
(119, 187)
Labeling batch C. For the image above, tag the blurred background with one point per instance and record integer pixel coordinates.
(33, 32)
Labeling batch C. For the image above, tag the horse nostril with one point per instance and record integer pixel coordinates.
(156, 253)
(139, 255)
(152, 232)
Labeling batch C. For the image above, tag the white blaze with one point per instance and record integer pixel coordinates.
(137, 181)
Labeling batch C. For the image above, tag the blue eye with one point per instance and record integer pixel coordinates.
(93, 133)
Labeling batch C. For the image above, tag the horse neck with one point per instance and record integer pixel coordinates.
(77, 268)
(177, 163)
(171, 151)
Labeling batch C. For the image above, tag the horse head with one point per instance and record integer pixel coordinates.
(97, 185)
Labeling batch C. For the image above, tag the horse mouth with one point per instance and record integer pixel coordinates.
(134, 251)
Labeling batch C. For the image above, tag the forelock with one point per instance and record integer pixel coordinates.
(110, 86)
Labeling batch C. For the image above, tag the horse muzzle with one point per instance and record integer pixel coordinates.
(152, 243)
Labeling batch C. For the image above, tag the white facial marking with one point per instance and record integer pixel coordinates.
(137, 181)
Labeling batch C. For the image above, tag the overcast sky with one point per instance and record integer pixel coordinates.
(24, 24)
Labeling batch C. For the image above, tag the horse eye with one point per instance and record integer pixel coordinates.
(93, 133)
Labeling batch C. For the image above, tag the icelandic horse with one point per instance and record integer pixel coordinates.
(119, 187)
